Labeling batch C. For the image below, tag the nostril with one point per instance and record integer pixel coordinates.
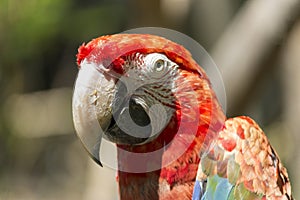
(138, 113)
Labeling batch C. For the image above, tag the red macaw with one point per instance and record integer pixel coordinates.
(149, 96)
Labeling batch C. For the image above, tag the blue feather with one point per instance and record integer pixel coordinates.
(217, 188)
(198, 190)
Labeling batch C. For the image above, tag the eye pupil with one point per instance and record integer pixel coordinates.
(159, 65)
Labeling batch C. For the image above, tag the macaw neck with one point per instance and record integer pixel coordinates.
(150, 186)
(173, 170)
(138, 185)
(146, 177)
(169, 182)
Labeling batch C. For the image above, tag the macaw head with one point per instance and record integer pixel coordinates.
(141, 92)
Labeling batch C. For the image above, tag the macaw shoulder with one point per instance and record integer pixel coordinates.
(242, 154)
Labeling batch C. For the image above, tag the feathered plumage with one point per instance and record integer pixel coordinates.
(156, 103)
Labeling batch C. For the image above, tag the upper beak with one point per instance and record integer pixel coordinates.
(91, 106)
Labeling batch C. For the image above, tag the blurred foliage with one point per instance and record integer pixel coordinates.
(38, 44)
(35, 32)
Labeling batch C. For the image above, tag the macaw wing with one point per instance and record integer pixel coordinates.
(240, 163)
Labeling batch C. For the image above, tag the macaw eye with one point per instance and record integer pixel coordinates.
(159, 65)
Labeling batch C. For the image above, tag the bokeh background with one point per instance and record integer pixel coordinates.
(255, 44)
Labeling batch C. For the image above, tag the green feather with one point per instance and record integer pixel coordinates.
(220, 188)
(208, 165)
(233, 171)
(240, 192)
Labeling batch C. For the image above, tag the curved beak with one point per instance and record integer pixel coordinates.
(91, 106)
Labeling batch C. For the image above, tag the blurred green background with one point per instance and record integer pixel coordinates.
(256, 45)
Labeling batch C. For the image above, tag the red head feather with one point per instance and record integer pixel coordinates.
(111, 48)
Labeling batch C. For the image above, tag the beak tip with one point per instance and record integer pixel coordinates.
(97, 160)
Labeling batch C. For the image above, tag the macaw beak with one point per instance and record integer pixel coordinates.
(91, 106)
(103, 107)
